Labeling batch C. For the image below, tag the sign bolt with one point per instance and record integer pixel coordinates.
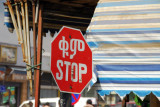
(70, 87)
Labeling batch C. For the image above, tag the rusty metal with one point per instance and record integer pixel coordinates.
(20, 31)
(36, 14)
(39, 56)
(26, 53)
(34, 39)
(24, 30)
(13, 19)
(29, 72)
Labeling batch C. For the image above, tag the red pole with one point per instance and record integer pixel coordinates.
(39, 56)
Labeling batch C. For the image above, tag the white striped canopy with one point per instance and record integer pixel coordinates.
(124, 36)
(8, 20)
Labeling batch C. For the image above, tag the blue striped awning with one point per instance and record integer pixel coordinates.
(124, 36)
(7, 20)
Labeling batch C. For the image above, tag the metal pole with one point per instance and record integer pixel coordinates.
(37, 7)
(39, 56)
(125, 99)
(20, 31)
(24, 31)
(29, 72)
(13, 19)
(34, 40)
(65, 100)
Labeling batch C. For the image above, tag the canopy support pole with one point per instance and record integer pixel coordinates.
(154, 102)
(126, 99)
(39, 57)
(20, 31)
(13, 19)
(34, 40)
(24, 31)
(29, 72)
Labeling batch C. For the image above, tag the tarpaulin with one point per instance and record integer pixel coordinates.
(124, 36)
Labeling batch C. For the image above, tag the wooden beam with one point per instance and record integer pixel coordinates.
(69, 10)
(75, 3)
(67, 14)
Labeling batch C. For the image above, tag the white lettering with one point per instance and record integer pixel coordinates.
(81, 45)
(59, 75)
(82, 70)
(63, 45)
(67, 68)
(73, 46)
(75, 71)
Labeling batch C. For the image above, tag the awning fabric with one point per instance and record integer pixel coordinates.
(7, 20)
(124, 36)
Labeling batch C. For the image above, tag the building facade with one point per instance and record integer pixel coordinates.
(13, 79)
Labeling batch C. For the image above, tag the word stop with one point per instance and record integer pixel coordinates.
(76, 69)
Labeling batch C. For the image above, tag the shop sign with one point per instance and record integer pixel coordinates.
(2, 72)
(2, 88)
(19, 77)
(8, 54)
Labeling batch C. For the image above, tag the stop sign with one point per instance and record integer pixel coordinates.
(71, 60)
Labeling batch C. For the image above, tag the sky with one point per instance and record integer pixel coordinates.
(11, 38)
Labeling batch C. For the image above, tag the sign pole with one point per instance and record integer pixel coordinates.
(65, 100)
(34, 40)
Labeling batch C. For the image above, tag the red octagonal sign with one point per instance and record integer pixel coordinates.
(71, 60)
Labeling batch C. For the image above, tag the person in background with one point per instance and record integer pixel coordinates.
(89, 103)
(46, 105)
(30, 104)
(7, 104)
